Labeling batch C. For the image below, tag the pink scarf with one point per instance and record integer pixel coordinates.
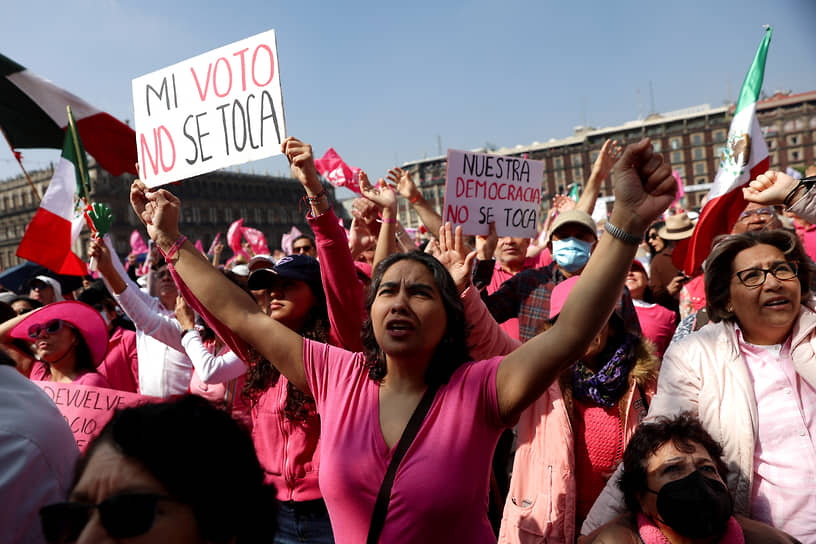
(651, 534)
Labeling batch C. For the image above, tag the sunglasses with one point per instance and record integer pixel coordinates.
(123, 516)
(52, 326)
(302, 249)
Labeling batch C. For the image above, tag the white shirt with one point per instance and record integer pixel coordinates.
(37, 457)
(164, 368)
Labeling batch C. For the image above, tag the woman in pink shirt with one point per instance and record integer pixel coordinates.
(69, 340)
(415, 339)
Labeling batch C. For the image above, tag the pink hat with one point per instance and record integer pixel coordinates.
(81, 316)
(560, 294)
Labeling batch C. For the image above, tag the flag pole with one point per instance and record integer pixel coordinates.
(83, 180)
(19, 158)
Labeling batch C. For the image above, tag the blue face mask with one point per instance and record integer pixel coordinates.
(571, 254)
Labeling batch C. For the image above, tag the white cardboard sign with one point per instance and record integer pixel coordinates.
(211, 111)
(481, 188)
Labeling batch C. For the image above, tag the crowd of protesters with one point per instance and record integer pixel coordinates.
(372, 386)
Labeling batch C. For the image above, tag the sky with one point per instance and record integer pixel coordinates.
(385, 84)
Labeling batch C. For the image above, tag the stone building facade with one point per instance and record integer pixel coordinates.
(210, 203)
(690, 139)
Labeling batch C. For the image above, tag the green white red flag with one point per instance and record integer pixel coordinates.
(744, 157)
(58, 221)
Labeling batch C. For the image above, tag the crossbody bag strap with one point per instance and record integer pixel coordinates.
(408, 435)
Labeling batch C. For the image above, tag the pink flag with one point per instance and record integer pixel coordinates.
(214, 243)
(234, 238)
(680, 190)
(339, 174)
(137, 243)
(288, 239)
(199, 246)
(256, 240)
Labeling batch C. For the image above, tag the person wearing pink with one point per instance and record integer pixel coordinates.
(415, 339)
(69, 340)
(511, 258)
(750, 375)
(121, 364)
(656, 322)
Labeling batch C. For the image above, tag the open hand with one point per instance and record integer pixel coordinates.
(381, 194)
(454, 255)
(609, 155)
(184, 314)
(486, 245)
(563, 203)
(403, 183)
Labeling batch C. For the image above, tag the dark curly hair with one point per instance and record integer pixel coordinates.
(719, 266)
(261, 374)
(452, 351)
(178, 441)
(684, 430)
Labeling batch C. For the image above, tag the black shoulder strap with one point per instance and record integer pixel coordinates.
(408, 435)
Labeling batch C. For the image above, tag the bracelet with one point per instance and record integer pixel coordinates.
(622, 235)
(413, 200)
(807, 183)
(388, 220)
(318, 196)
(174, 249)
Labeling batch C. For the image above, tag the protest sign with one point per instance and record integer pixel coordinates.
(481, 188)
(215, 110)
(87, 409)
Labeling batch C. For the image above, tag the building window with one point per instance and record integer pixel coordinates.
(559, 162)
(213, 214)
(697, 139)
(718, 151)
(576, 160)
(677, 157)
(795, 154)
(578, 173)
(256, 215)
(774, 158)
(789, 126)
(228, 215)
(700, 181)
(771, 143)
(719, 136)
(699, 168)
(793, 140)
(196, 214)
(656, 146)
(813, 122)
(699, 153)
(675, 143)
(681, 170)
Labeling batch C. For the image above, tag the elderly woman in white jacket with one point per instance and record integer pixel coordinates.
(750, 376)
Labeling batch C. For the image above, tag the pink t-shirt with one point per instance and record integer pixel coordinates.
(40, 371)
(441, 487)
(657, 323)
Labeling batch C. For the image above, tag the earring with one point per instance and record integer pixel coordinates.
(729, 308)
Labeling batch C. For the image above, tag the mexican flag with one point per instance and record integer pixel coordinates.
(57, 222)
(33, 115)
(744, 157)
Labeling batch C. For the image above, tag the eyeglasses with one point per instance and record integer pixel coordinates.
(754, 277)
(302, 249)
(652, 236)
(761, 212)
(123, 516)
(52, 326)
(39, 286)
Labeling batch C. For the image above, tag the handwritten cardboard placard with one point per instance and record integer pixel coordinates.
(481, 188)
(87, 409)
(218, 109)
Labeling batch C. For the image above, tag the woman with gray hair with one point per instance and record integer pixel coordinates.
(750, 376)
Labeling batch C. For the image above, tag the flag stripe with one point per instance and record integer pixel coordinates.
(751, 87)
(45, 237)
(33, 115)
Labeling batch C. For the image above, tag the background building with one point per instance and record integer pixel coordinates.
(210, 203)
(690, 139)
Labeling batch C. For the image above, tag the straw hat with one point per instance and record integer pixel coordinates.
(677, 227)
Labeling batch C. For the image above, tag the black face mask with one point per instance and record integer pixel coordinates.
(695, 506)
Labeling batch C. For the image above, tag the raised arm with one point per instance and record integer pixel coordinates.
(644, 187)
(406, 187)
(345, 299)
(383, 196)
(159, 211)
(774, 187)
(608, 156)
